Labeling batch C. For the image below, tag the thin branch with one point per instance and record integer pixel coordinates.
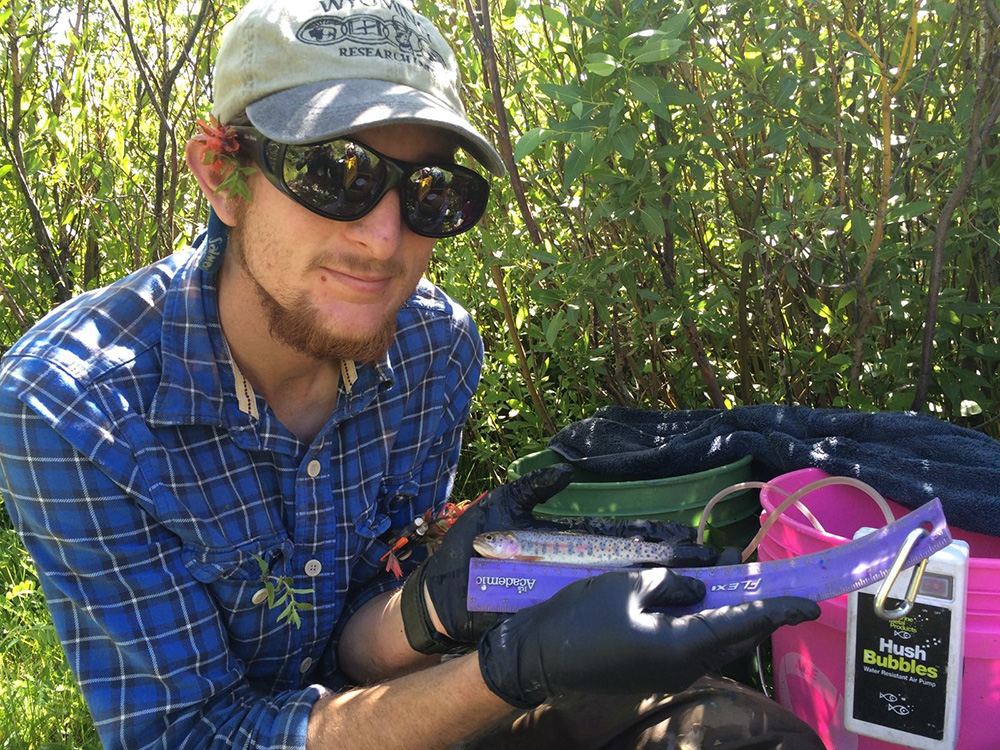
(522, 358)
(484, 38)
(12, 141)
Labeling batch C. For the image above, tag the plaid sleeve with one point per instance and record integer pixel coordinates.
(434, 478)
(142, 636)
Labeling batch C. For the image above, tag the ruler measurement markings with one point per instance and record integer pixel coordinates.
(831, 573)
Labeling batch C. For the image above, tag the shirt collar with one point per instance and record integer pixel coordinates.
(200, 383)
(190, 391)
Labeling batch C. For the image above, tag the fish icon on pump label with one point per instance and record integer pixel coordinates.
(892, 703)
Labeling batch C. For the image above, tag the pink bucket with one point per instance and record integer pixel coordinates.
(809, 658)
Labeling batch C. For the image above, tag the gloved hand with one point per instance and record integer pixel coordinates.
(445, 574)
(604, 635)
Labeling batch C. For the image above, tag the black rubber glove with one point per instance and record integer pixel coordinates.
(445, 574)
(604, 635)
(729, 556)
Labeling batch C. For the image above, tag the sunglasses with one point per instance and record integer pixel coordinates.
(343, 180)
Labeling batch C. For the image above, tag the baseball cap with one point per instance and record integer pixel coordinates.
(310, 71)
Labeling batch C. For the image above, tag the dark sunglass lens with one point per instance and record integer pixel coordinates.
(338, 178)
(444, 200)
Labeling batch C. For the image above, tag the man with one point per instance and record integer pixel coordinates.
(249, 421)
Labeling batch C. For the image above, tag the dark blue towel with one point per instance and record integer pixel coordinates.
(908, 457)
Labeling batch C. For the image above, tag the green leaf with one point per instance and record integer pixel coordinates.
(564, 94)
(753, 127)
(529, 142)
(646, 89)
(907, 211)
(677, 24)
(816, 140)
(652, 222)
(554, 16)
(261, 564)
(847, 298)
(656, 50)
(819, 308)
(792, 276)
(576, 164)
(553, 327)
(988, 351)
(861, 230)
(709, 65)
(660, 312)
(641, 36)
(777, 138)
(670, 94)
(786, 88)
(544, 256)
(602, 64)
(624, 141)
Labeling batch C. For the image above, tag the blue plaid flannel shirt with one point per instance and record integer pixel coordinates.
(143, 486)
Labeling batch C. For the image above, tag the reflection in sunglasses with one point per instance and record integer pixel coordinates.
(344, 180)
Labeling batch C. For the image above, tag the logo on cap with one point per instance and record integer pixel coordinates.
(369, 30)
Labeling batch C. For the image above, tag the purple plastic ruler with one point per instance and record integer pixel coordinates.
(510, 585)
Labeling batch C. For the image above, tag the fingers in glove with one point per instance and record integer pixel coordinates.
(755, 620)
(662, 588)
(690, 555)
(730, 556)
(535, 487)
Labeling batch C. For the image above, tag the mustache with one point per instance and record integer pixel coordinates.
(358, 266)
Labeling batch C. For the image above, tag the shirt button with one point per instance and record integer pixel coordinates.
(312, 468)
(260, 597)
(313, 568)
(304, 666)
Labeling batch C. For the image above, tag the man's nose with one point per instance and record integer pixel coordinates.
(380, 230)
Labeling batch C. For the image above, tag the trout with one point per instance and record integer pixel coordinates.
(571, 548)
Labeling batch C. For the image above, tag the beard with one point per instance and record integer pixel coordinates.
(299, 324)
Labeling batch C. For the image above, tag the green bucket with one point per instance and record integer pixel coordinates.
(733, 521)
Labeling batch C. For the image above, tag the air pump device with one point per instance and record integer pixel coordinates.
(904, 653)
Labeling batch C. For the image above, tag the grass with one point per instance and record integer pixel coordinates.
(41, 707)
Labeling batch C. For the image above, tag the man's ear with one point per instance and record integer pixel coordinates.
(209, 179)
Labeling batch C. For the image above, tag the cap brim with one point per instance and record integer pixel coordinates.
(327, 109)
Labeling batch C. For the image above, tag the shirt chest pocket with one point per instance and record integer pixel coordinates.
(393, 509)
(236, 581)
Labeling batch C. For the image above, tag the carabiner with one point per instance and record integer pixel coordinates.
(897, 567)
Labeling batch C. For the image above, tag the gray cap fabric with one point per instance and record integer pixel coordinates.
(309, 71)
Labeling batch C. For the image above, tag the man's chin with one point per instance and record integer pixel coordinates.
(328, 345)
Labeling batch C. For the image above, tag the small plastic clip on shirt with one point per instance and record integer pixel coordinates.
(416, 527)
